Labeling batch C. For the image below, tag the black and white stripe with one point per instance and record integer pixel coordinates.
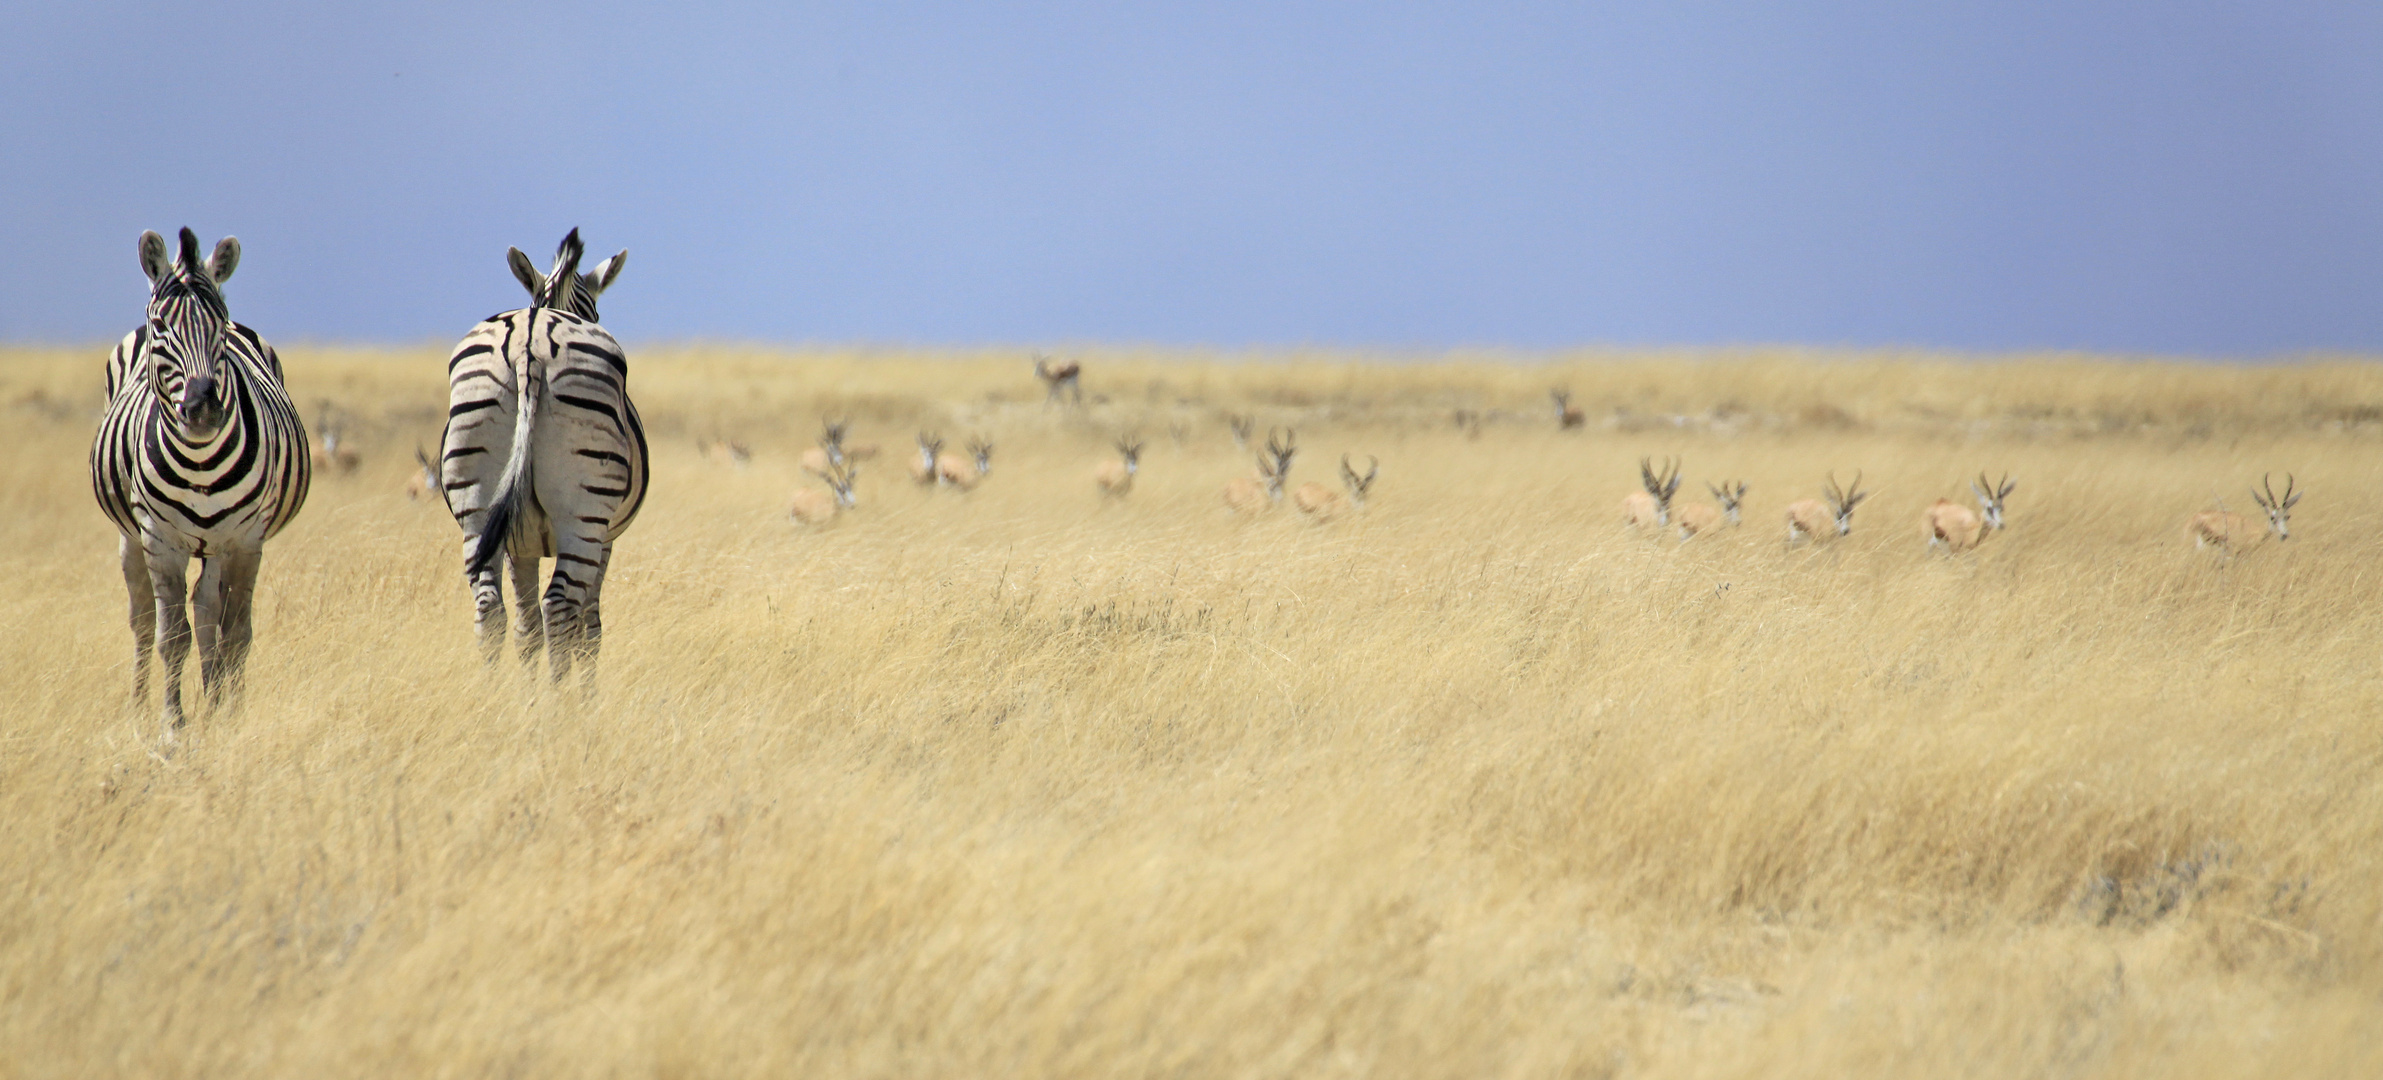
(200, 455)
(543, 457)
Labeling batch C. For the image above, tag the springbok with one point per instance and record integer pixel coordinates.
(1568, 415)
(1698, 518)
(2232, 531)
(830, 451)
(1958, 528)
(1651, 508)
(1323, 504)
(730, 451)
(1059, 376)
(812, 506)
(953, 470)
(333, 456)
(426, 480)
(1241, 426)
(1251, 495)
(922, 468)
(1810, 519)
(1116, 478)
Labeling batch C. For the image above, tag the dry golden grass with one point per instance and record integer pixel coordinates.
(1013, 783)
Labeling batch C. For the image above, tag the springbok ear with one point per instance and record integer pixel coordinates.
(599, 279)
(225, 260)
(156, 261)
(523, 272)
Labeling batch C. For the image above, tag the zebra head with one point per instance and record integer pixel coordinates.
(564, 288)
(189, 330)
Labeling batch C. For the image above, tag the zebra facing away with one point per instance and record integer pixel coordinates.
(543, 457)
(199, 455)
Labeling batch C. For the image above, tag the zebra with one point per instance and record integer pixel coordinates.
(200, 454)
(543, 456)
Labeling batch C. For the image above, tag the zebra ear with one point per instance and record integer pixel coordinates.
(155, 260)
(523, 272)
(599, 279)
(225, 260)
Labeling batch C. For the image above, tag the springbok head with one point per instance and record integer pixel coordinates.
(831, 439)
(1843, 500)
(981, 451)
(2279, 509)
(930, 445)
(1129, 450)
(1990, 496)
(189, 330)
(564, 287)
(1359, 485)
(1275, 463)
(1660, 485)
(1729, 495)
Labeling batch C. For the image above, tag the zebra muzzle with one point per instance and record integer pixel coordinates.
(201, 412)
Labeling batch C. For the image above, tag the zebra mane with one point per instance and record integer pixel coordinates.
(563, 281)
(189, 280)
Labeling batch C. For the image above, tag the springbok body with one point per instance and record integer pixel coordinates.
(199, 455)
(544, 456)
(1059, 377)
(1257, 494)
(1698, 518)
(1650, 507)
(2234, 532)
(1116, 478)
(1958, 528)
(812, 506)
(1319, 503)
(1812, 519)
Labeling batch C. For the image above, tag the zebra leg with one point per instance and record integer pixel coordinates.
(168, 583)
(530, 621)
(206, 616)
(578, 572)
(239, 626)
(488, 603)
(591, 621)
(144, 614)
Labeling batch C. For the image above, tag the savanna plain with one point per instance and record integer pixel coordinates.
(1022, 781)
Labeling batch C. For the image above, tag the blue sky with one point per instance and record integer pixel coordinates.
(2180, 178)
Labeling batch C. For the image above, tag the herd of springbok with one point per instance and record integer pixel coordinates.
(1946, 525)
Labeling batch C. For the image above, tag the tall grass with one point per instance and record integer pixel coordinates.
(1018, 783)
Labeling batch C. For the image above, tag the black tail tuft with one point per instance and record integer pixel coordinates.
(495, 531)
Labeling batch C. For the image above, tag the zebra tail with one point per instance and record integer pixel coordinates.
(496, 533)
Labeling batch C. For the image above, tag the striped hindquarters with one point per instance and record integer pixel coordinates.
(238, 488)
(585, 466)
